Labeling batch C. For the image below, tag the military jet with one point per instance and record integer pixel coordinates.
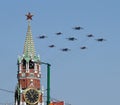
(65, 49)
(100, 39)
(42, 36)
(58, 33)
(78, 28)
(71, 38)
(83, 47)
(90, 35)
(51, 46)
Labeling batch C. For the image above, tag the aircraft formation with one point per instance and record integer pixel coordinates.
(72, 38)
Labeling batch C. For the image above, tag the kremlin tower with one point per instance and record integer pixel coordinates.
(28, 90)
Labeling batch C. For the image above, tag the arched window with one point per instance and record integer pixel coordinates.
(31, 64)
(24, 63)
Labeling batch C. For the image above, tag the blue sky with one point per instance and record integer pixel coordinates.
(85, 77)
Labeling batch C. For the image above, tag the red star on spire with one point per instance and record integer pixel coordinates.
(29, 16)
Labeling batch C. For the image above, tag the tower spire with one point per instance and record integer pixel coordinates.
(28, 91)
(29, 49)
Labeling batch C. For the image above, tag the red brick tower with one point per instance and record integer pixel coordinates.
(28, 90)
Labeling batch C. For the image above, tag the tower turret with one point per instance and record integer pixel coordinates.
(28, 90)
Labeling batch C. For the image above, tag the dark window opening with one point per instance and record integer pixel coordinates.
(24, 63)
(31, 64)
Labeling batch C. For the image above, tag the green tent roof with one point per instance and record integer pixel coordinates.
(29, 49)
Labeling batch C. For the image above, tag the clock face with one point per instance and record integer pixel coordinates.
(31, 96)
